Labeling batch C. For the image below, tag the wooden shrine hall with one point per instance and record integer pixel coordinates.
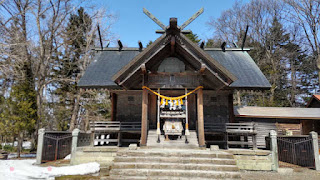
(171, 89)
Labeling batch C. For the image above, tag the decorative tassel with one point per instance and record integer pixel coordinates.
(161, 101)
(181, 101)
(177, 102)
(166, 102)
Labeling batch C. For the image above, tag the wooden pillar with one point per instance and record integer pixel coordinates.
(200, 118)
(113, 106)
(144, 118)
(230, 104)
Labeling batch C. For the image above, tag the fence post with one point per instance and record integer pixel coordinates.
(40, 145)
(315, 146)
(274, 150)
(75, 134)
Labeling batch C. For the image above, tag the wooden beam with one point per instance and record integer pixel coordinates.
(120, 44)
(140, 45)
(144, 118)
(202, 44)
(223, 46)
(230, 104)
(154, 19)
(173, 44)
(192, 18)
(200, 118)
(173, 23)
(113, 106)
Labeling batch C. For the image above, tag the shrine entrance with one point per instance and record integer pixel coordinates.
(172, 113)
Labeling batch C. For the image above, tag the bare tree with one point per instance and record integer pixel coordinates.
(305, 14)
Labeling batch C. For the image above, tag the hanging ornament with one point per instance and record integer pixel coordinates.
(162, 103)
(181, 101)
(170, 104)
(175, 104)
(179, 105)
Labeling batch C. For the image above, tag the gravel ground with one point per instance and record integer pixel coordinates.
(297, 174)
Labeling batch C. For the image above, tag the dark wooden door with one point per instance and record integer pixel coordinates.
(192, 111)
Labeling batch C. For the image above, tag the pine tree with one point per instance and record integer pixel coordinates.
(75, 38)
(193, 37)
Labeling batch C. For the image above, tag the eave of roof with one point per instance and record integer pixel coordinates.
(109, 61)
(277, 112)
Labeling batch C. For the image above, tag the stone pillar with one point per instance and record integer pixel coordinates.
(40, 145)
(75, 134)
(315, 146)
(144, 118)
(200, 118)
(274, 150)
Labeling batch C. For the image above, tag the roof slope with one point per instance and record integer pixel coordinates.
(314, 101)
(104, 66)
(243, 67)
(108, 62)
(277, 112)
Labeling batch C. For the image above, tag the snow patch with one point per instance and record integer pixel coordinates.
(25, 144)
(24, 169)
(15, 155)
(67, 157)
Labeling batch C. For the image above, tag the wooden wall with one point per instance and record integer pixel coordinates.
(128, 106)
(310, 125)
(216, 106)
(282, 126)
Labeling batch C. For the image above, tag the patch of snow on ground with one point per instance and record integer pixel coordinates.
(67, 157)
(14, 155)
(25, 144)
(24, 169)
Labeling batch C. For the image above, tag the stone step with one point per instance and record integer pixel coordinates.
(193, 160)
(168, 146)
(175, 173)
(174, 166)
(120, 177)
(175, 153)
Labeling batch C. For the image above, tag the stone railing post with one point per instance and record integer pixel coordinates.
(315, 146)
(75, 134)
(40, 145)
(274, 150)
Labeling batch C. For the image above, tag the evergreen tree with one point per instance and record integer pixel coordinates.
(75, 39)
(193, 37)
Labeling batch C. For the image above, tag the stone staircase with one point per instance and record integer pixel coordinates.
(162, 163)
(177, 143)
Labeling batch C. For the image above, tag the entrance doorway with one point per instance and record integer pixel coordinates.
(153, 109)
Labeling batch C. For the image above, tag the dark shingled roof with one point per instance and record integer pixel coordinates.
(240, 64)
(104, 65)
(107, 63)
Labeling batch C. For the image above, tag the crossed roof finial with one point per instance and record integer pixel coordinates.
(185, 24)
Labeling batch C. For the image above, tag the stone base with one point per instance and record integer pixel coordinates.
(102, 155)
(256, 160)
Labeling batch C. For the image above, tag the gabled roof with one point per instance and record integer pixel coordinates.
(277, 112)
(174, 42)
(248, 74)
(314, 99)
(104, 65)
(108, 62)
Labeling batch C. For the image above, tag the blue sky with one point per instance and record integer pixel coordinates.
(133, 25)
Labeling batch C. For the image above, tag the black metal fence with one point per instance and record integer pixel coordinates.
(296, 150)
(56, 145)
